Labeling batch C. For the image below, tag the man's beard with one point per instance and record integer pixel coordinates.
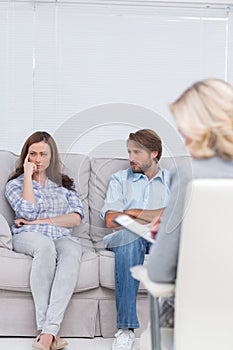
(140, 170)
(136, 168)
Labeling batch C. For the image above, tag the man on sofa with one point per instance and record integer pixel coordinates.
(141, 192)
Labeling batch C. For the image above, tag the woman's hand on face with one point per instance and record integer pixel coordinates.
(29, 167)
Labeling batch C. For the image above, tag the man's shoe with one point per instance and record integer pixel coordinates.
(58, 344)
(124, 340)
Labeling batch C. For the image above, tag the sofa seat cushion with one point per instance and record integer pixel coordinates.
(17, 279)
(89, 272)
(107, 262)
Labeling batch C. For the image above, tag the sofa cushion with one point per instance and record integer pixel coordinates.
(5, 234)
(101, 171)
(8, 162)
(77, 166)
(18, 279)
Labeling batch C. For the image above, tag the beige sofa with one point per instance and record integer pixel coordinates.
(91, 311)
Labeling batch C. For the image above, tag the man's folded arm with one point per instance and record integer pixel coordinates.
(140, 215)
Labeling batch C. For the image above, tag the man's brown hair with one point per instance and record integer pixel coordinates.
(148, 139)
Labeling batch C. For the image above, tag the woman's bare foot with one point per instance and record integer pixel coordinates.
(46, 339)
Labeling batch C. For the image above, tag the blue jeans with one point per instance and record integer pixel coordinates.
(54, 273)
(129, 251)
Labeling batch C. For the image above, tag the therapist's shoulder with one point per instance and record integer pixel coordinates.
(181, 170)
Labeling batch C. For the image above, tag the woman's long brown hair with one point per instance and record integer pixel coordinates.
(54, 170)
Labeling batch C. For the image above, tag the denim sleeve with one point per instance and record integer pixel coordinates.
(21, 207)
(162, 263)
(114, 200)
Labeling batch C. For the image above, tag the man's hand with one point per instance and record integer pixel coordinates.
(109, 219)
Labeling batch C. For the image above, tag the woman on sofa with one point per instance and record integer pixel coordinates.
(46, 207)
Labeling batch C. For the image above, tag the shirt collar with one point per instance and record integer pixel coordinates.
(136, 176)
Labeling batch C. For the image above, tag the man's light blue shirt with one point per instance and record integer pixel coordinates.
(129, 190)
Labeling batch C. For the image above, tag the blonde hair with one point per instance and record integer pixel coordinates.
(204, 114)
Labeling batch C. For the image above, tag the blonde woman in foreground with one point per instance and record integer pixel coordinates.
(204, 117)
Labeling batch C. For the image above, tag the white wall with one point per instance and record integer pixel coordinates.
(60, 61)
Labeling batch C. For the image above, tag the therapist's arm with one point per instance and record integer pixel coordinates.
(163, 258)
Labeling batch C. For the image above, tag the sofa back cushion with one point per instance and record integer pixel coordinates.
(101, 171)
(77, 166)
(8, 164)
